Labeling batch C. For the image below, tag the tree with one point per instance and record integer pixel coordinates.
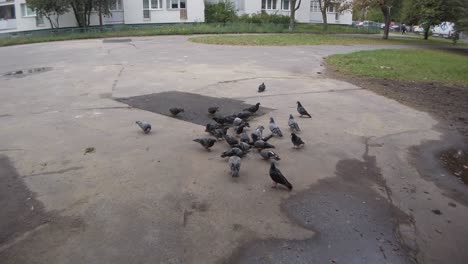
(385, 6)
(82, 10)
(103, 7)
(292, 19)
(50, 9)
(340, 6)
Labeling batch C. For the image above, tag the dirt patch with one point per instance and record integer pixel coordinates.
(456, 162)
(445, 102)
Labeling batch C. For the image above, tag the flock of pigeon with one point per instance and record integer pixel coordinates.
(238, 148)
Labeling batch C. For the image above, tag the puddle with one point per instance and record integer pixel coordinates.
(195, 105)
(26, 72)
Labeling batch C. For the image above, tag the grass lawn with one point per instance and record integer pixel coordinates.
(311, 39)
(405, 64)
(177, 29)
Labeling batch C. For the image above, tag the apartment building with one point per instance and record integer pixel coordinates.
(15, 15)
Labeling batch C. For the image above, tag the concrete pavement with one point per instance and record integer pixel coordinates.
(160, 198)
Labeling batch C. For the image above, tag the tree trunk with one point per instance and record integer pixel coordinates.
(386, 12)
(292, 17)
(57, 25)
(426, 32)
(50, 21)
(324, 19)
(78, 17)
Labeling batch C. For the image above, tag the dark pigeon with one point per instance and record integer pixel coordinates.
(267, 137)
(231, 140)
(212, 110)
(261, 88)
(145, 126)
(233, 152)
(240, 129)
(210, 127)
(253, 108)
(244, 137)
(175, 111)
(301, 110)
(296, 140)
(260, 144)
(278, 177)
(244, 115)
(207, 143)
(218, 133)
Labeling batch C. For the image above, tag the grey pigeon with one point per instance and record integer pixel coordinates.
(237, 121)
(253, 108)
(244, 137)
(225, 120)
(145, 126)
(218, 133)
(274, 128)
(301, 110)
(293, 125)
(260, 144)
(210, 127)
(233, 152)
(269, 154)
(207, 143)
(212, 110)
(296, 140)
(254, 137)
(259, 131)
(244, 146)
(278, 177)
(234, 165)
(231, 140)
(175, 111)
(261, 88)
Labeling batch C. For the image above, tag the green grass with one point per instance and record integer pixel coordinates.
(178, 29)
(311, 39)
(406, 64)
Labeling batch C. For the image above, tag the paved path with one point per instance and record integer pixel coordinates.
(160, 198)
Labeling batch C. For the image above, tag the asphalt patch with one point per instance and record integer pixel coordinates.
(352, 221)
(116, 40)
(25, 72)
(195, 105)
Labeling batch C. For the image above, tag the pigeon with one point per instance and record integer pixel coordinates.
(240, 129)
(259, 131)
(175, 111)
(254, 138)
(253, 108)
(224, 120)
(293, 124)
(278, 177)
(274, 128)
(234, 165)
(212, 110)
(301, 110)
(261, 88)
(244, 115)
(260, 144)
(231, 140)
(233, 152)
(145, 126)
(237, 121)
(243, 146)
(210, 127)
(207, 143)
(267, 137)
(218, 133)
(244, 137)
(269, 154)
(296, 140)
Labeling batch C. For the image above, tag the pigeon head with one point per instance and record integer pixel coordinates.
(257, 104)
(138, 122)
(299, 103)
(290, 116)
(272, 120)
(293, 135)
(261, 127)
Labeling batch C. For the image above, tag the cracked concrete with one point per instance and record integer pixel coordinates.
(160, 198)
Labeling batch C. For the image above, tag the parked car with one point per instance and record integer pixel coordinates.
(396, 28)
(444, 30)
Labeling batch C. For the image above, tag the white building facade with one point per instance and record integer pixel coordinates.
(16, 16)
(309, 11)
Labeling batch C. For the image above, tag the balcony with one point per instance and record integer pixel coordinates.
(7, 24)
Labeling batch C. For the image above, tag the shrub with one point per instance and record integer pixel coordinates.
(221, 12)
(264, 18)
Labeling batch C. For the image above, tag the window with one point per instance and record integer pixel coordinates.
(331, 9)
(39, 21)
(285, 4)
(146, 10)
(156, 4)
(116, 5)
(26, 11)
(268, 4)
(176, 4)
(314, 6)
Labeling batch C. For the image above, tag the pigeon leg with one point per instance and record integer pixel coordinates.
(274, 185)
